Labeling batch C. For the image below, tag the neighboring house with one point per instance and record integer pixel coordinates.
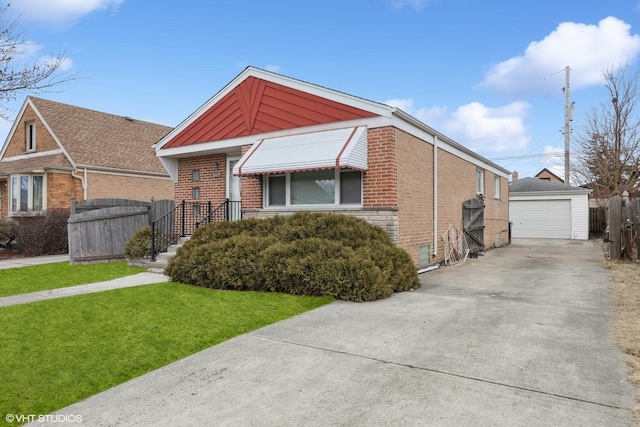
(546, 175)
(543, 209)
(281, 145)
(55, 151)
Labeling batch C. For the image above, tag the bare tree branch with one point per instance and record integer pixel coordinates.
(17, 76)
(608, 156)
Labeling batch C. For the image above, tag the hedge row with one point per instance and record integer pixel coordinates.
(303, 254)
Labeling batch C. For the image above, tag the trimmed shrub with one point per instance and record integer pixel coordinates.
(42, 233)
(232, 263)
(226, 229)
(316, 266)
(351, 231)
(139, 246)
(303, 254)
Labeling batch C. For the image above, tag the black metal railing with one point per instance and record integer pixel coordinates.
(185, 218)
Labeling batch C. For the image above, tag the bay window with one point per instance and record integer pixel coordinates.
(26, 193)
(314, 188)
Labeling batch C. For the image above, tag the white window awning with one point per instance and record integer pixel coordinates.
(340, 148)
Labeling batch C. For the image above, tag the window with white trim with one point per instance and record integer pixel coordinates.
(30, 135)
(479, 181)
(496, 186)
(26, 193)
(314, 188)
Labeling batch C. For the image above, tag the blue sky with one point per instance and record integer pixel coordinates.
(488, 74)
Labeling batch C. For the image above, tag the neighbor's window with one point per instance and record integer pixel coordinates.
(196, 192)
(496, 187)
(322, 187)
(26, 193)
(31, 136)
(195, 175)
(479, 181)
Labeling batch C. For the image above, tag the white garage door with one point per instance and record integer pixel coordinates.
(549, 219)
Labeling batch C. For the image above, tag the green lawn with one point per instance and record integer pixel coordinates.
(23, 280)
(57, 352)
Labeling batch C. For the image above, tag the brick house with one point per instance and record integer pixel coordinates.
(281, 145)
(54, 151)
(546, 175)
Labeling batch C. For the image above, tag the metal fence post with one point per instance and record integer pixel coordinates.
(183, 224)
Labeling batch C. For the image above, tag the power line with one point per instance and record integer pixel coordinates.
(528, 156)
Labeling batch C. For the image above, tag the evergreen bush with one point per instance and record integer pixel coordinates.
(139, 246)
(303, 254)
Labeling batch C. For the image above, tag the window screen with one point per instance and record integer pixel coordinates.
(277, 190)
(350, 187)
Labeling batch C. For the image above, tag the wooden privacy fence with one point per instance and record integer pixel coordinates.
(99, 229)
(473, 224)
(597, 220)
(623, 227)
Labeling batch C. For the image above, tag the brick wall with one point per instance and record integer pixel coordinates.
(457, 183)
(379, 181)
(415, 193)
(496, 212)
(44, 140)
(60, 188)
(386, 218)
(101, 186)
(212, 183)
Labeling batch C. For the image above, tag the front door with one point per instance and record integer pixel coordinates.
(234, 185)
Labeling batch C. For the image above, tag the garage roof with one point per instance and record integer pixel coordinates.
(531, 185)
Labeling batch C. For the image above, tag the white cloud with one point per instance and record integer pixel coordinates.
(65, 66)
(489, 130)
(474, 125)
(426, 115)
(273, 68)
(414, 4)
(588, 49)
(59, 11)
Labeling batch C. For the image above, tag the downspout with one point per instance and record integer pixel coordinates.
(435, 195)
(83, 180)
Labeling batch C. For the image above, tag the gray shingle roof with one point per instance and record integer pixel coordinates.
(526, 185)
(99, 139)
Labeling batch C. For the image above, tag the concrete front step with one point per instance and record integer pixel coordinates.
(162, 259)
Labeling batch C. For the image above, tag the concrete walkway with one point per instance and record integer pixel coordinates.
(518, 337)
(139, 279)
(30, 261)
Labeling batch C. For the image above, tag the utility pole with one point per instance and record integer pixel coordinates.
(568, 117)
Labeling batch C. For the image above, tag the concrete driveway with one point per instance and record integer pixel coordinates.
(519, 336)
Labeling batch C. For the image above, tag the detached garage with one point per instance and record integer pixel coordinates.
(543, 209)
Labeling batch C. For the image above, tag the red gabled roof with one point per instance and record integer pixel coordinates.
(256, 106)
